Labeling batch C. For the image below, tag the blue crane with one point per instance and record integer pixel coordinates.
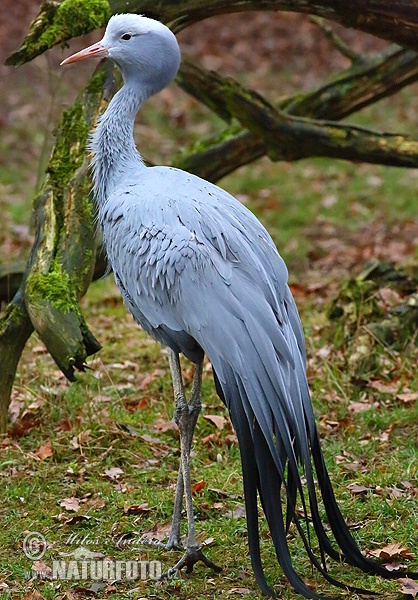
(201, 275)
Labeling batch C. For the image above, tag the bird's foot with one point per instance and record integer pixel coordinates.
(192, 555)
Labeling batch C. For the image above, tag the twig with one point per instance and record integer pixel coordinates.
(337, 41)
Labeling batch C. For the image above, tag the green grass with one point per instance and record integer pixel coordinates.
(98, 423)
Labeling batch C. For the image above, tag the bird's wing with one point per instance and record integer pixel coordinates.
(197, 268)
(186, 234)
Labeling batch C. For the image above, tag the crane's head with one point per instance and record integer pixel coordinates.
(144, 49)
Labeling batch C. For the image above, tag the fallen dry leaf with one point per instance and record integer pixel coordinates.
(218, 420)
(407, 397)
(388, 297)
(71, 503)
(151, 440)
(230, 439)
(95, 503)
(163, 426)
(133, 404)
(65, 425)
(359, 489)
(384, 436)
(28, 420)
(113, 472)
(208, 541)
(39, 566)
(33, 595)
(198, 486)
(239, 590)
(392, 552)
(44, 451)
(80, 440)
(148, 378)
(394, 566)
(129, 428)
(15, 407)
(135, 509)
(159, 532)
(211, 439)
(356, 407)
(237, 513)
(222, 493)
(77, 519)
(384, 388)
(409, 587)
(89, 591)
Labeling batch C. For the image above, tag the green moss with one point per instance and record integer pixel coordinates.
(69, 150)
(202, 144)
(53, 286)
(95, 85)
(74, 18)
(60, 22)
(12, 312)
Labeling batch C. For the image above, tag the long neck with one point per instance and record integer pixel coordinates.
(112, 143)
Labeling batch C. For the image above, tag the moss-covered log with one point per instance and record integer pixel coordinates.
(11, 275)
(60, 21)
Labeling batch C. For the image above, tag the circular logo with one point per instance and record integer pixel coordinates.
(34, 545)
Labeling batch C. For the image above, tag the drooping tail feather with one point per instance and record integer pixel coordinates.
(271, 465)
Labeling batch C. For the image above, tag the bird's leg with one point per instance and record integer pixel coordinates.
(180, 405)
(193, 408)
(187, 412)
(185, 415)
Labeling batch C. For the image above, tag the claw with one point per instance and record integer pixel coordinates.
(191, 556)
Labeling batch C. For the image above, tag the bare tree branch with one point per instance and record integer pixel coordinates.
(336, 40)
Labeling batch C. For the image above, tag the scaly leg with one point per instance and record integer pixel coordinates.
(185, 415)
(180, 401)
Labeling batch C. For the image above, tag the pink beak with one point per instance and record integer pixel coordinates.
(95, 51)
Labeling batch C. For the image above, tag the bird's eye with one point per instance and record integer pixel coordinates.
(126, 36)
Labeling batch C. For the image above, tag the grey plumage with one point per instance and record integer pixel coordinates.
(201, 275)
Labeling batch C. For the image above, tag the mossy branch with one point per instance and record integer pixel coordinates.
(59, 21)
(355, 88)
